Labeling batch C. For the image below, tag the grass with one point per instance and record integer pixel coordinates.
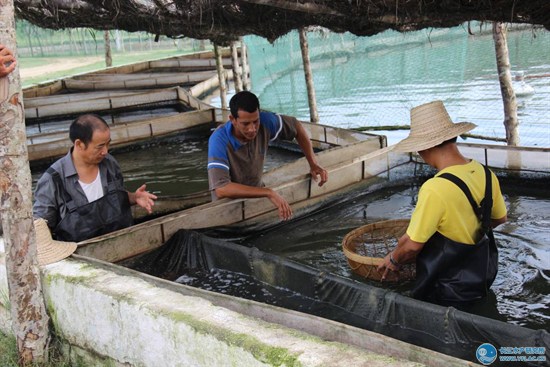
(118, 59)
(8, 351)
(8, 355)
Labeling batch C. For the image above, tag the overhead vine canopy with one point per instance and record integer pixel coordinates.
(225, 20)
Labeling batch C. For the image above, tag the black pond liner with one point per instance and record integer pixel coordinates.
(202, 260)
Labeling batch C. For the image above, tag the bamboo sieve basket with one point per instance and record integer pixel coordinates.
(365, 248)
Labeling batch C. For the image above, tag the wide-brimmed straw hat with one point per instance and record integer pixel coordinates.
(48, 249)
(431, 126)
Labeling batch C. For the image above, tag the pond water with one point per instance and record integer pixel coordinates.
(177, 166)
(375, 81)
(521, 291)
(522, 286)
(172, 166)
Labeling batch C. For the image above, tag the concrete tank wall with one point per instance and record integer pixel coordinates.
(108, 318)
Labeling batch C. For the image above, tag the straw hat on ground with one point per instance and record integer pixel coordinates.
(431, 126)
(48, 249)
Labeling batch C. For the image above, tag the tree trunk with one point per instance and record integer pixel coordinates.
(82, 34)
(38, 40)
(28, 312)
(221, 76)
(108, 57)
(244, 62)
(314, 116)
(28, 32)
(71, 42)
(118, 41)
(237, 81)
(505, 78)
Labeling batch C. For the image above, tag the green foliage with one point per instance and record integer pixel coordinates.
(5, 300)
(8, 354)
(8, 351)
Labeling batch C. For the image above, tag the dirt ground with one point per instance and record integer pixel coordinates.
(56, 65)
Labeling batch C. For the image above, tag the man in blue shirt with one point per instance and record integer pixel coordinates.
(237, 150)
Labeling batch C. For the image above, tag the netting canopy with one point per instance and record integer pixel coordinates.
(225, 20)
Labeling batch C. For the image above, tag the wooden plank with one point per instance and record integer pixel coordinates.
(180, 122)
(43, 89)
(48, 150)
(72, 108)
(201, 59)
(76, 97)
(334, 135)
(123, 244)
(315, 132)
(509, 157)
(293, 192)
(57, 143)
(144, 98)
(220, 213)
(229, 212)
(183, 77)
(326, 159)
(204, 86)
(189, 64)
(340, 176)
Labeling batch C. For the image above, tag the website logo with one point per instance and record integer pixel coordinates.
(486, 353)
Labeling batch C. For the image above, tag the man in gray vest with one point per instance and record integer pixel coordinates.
(82, 195)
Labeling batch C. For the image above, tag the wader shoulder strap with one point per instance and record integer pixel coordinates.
(62, 191)
(482, 211)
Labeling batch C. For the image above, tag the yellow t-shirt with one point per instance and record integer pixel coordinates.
(443, 207)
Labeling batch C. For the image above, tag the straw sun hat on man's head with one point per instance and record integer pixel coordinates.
(431, 126)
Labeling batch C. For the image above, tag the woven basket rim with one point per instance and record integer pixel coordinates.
(368, 260)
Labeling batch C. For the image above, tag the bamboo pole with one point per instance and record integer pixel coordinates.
(314, 116)
(108, 57)
(28, 312)
(244, 63)
(505, 79)
(221, 76)
(237, 81)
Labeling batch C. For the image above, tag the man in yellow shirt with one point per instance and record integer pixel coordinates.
(450, 233)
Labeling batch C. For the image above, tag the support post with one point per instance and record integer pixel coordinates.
(221, 76)
(28, 312)
(237, 81)
(505, 79)
(313, 115)
(108, 56)
(244, 63)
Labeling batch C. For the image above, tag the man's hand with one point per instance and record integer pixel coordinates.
(235, 190)
(405, 252)
(318, 173)
(7, 61)
(143, 199)
(387, 266)
(285, 211)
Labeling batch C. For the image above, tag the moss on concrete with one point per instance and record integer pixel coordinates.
(273, 356)
(81, 279)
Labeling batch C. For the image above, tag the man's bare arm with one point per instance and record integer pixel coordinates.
(235, 191)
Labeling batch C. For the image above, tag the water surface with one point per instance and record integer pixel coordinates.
(522, 286)
(375, 81)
